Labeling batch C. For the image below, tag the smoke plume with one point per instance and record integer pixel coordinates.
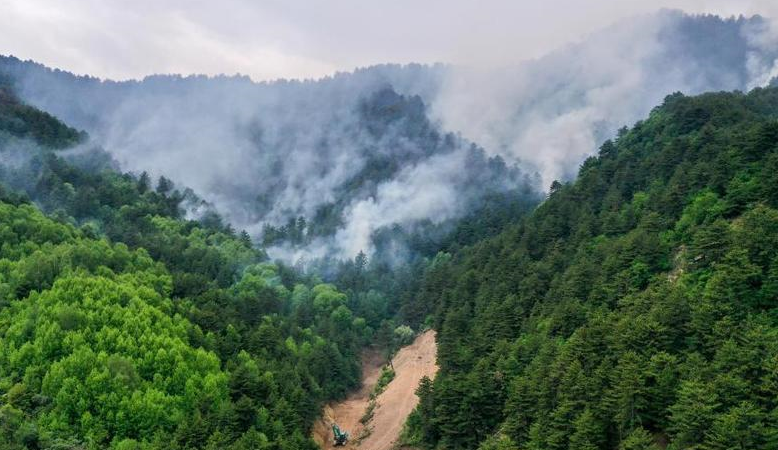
(357, 152)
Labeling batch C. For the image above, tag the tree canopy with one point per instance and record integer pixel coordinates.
(634, 308)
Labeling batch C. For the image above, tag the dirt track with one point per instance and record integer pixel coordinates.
(398, 400)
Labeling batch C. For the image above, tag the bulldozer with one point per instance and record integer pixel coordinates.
(341, 437)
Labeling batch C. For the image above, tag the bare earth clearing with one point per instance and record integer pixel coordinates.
(398, 400)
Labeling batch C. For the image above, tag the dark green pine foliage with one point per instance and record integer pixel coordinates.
(636, 308)
(23, 121)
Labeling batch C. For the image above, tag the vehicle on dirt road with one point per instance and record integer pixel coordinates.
(341, 437)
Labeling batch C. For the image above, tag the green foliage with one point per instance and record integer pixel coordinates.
(634, 308)
(403, 335)
(124, 326)
(588, 432)
(22, 121)
(95, 346)
(386, 377)
(638, 439)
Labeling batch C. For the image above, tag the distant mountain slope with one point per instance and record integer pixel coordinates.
(21, 121)
(356, 153)
(636, 306)
(553, 112)
(345, 155)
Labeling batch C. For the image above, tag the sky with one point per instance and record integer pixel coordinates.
(270, 39)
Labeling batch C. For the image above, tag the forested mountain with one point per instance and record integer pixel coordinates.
(634, 309)
(124, 325)
(313, 168)
(631, 308)
(329, 167)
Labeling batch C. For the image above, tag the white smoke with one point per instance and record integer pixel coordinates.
(763, 40)
(264, 152)
(420, 192)
(555, 111)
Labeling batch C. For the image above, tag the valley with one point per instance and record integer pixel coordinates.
(575, 251)
(393, 405)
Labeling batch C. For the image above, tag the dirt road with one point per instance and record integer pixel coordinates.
(393, 406)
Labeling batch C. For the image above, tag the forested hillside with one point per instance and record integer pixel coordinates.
(124, 325)
(309, 168)
(634, 309)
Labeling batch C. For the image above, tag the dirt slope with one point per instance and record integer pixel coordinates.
(398, 400)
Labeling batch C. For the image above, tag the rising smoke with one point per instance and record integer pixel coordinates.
(264, 152)
(555, 111)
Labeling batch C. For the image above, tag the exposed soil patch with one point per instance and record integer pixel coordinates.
(393, 405)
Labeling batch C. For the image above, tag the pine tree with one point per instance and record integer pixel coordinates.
(164, 185)
(588, 434)
(692, 414)
(628, 397)
(426, 411)
(741, 428)
(638, 439)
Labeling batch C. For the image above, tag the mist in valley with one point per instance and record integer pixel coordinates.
(362, 151)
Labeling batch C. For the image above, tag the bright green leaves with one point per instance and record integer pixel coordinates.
(119, 363)
(705, 208)
(326, 298)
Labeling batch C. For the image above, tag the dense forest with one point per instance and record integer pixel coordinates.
(634, 309)
(125, 325)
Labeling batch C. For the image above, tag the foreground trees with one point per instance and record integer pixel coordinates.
(125, 326)
(95, 351)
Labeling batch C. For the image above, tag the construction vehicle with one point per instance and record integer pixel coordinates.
(341, 437)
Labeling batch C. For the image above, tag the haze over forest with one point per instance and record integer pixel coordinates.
(267, 153)
(563, 217)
